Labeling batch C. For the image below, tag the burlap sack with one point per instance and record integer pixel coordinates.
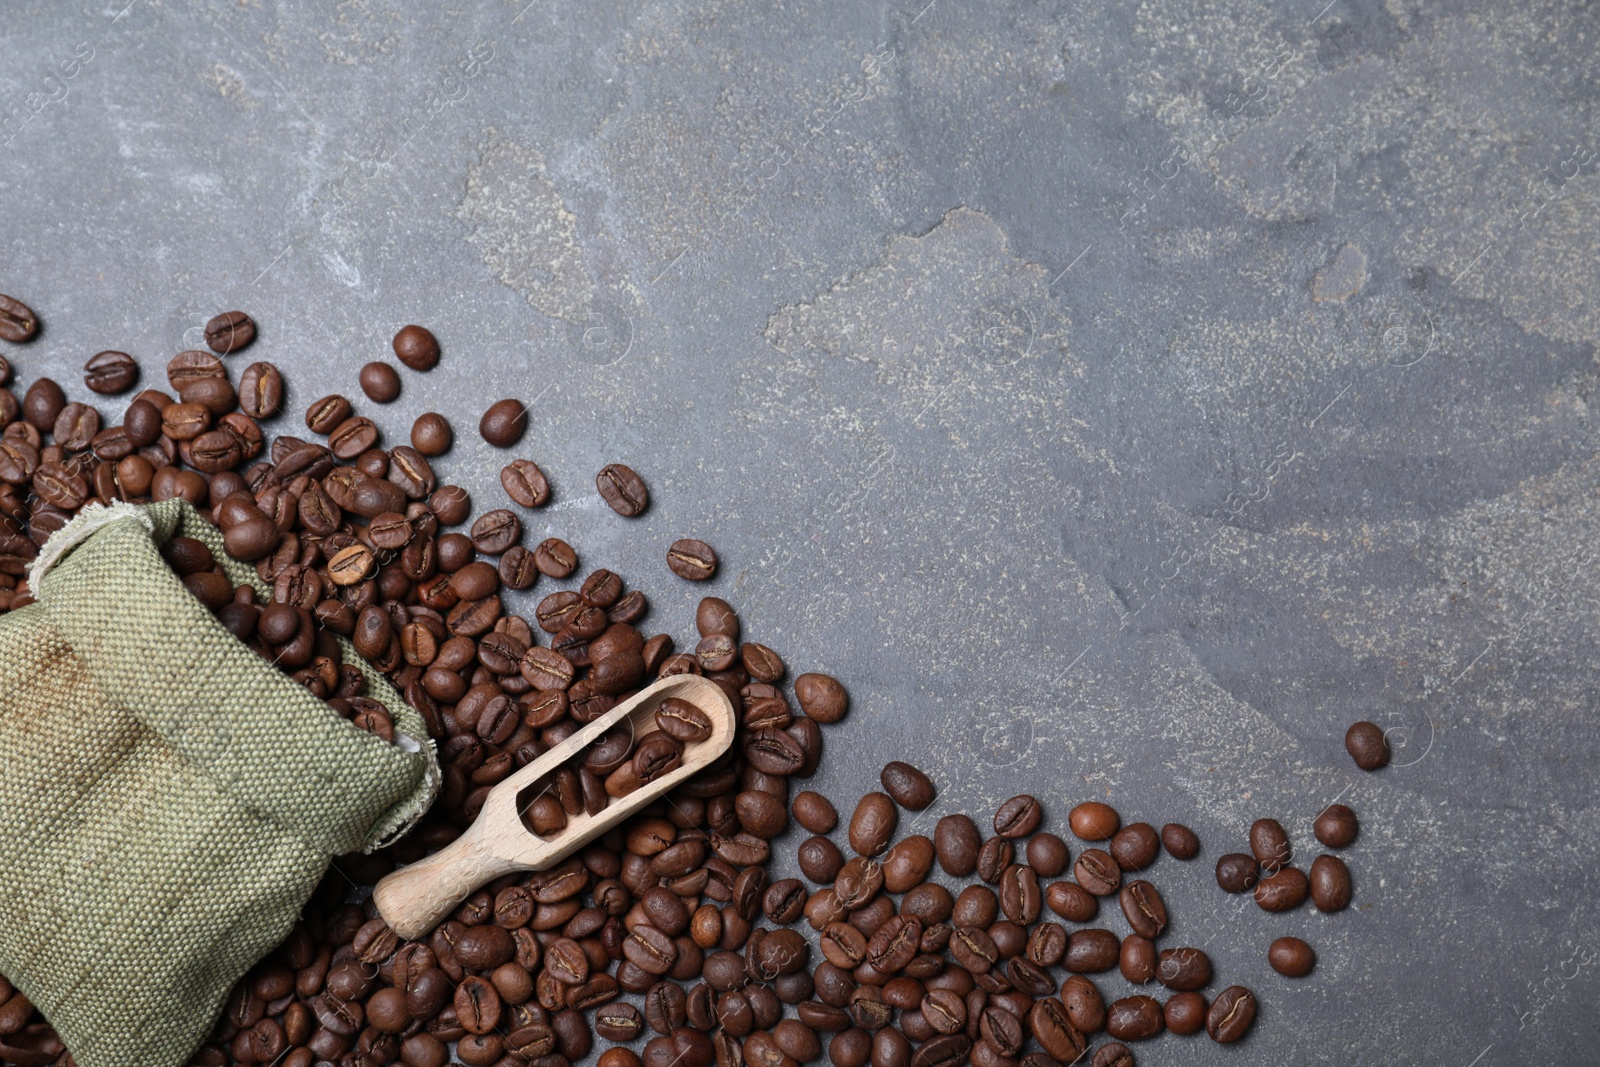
(169, 800)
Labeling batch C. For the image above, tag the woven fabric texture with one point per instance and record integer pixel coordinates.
(170, 799)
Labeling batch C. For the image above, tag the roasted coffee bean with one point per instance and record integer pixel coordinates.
(1237, 872)
(110, 373)
(761, 662)
(230, 331)
(1091, 951)
(495, 531)
(1113, 1054)
(1367, 746)
(957, 842)
(1231, 1014)
(1017, 817)
(1134, 1018)
(692, 560)
(1336, 826)
(417, 348)
(380, 382)
(525, 483)
(1283, 891)
(1047, 944)
(1135, 846)
(682, 720)
(1083, 1003)
(1183, 968)
(555, 558)
(1093, 821)
(1330, 884)
(1144, 909)
(190, 366)
(1047, 854)
(622, 489)
(352, 437)
(1071, 901)
(1137, 960)
(820, 860)
(909, 787)
(814, 812)
(907, 863)
(873, 824)
(1185, 1013)
(973, 949)
(1269, 844)
(1019, 894)
(947, 1050)
(504, 423)
(17, 321)
(260, 391)
(1097, 872)
(1054, 1031)
(1180, 841)
(1291, 957)
(42, 403)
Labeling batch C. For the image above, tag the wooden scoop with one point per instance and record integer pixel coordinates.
(415, 898)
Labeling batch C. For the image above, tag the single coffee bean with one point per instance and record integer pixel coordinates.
(820, 860)
(260, 391)
(1231, 1014)
(821, 697)
(1094, 821)
(692, 560)
(229, 332)
(873, 824)
(17, 321)
(1283, 891)
(1054, 1030)
(504, 423)
(1113, 1054)
(1367, 746)
(907, 863)
(814, 812)
(1017, 817)
(1135, 846)
(1097, 872)
(909, 787)
(1084, 1005)
(110, 373)
(525, 483)
(1330, 884)
(495, 531)
(76, 426)
(1071, 901)
(1291, 957)
(1138, 960)
(1336, 826)
(1269, 844)
(42, 404)
(417, 348)
(1144, 909)
(1047, 944)
(380, 382)
(1180, 841)
(1092, 950)
(1236, 872)
(622, 489)
(1185, 1013)
(1183, 968)
(1134, 1018)
(1047, 854)
(190, 366)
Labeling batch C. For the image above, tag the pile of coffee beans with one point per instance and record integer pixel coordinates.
(666, 936)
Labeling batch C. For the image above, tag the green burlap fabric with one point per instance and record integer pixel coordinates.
(169, 799)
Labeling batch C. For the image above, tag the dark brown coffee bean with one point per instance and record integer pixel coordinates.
(555, 558)
(761, 662)
(1113, 1054)
(1094, 821)
(1071, 901)
(814, 812)
(504, 423)
(525, 483)
(417, 348)
(1137, 961)
(1183, 968)
(1017, 817)
(1097, 872)
(1092, 950)
(1270, 844)
(819, 859)
(1083, 1003)
(1144, 909)
(1282, 891)
(1047, 944)
(1180, 841)
(261, 391)
(907, 863)
(1291, 957)
(1336, 827)
(110, 373)
(229, 332)
(1135, 1018)
(692, 560)
(1055, 1032)
(974, 949)
(622, 489)
(1237, 872)
(1231, 1014)
(17, 321)
(352, 437)
(380, 382)
(957, 842)
(1019, 894)
(947, 1050)
(495, 531)
(192, 365)
(1330, 884)
(683, 721)
(142, 423)
(42, 404)
(324, 415)
(1135, 846)
(909, 787)
(873, 824)
(1367, 746)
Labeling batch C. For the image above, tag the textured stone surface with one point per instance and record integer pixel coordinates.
(982, 341)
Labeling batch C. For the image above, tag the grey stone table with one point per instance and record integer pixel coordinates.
(1121, 399)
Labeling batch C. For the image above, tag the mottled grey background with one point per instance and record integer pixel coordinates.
(1120, 399)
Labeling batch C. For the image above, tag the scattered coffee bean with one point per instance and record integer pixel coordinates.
(431, 434)
(110, 373)
(1283, 891)
(1291, 957)
(380, 382)
(1367, 746)
(692, 560)
(1231, 1014)
(416, 348)
(229, 332)
(1047, 854)
(525, 483)
(1185, 1013)
(17, 321)
(623, 490)
(504, 423)
(1330, 884)
(909, 787)
(1113, 1054)
(1336, 826)
(814, 812)
(1135, 846)
(1269, 844)
(1093, 821)
(1237, 872)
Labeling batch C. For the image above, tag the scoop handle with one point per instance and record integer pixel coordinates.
(419, 895)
